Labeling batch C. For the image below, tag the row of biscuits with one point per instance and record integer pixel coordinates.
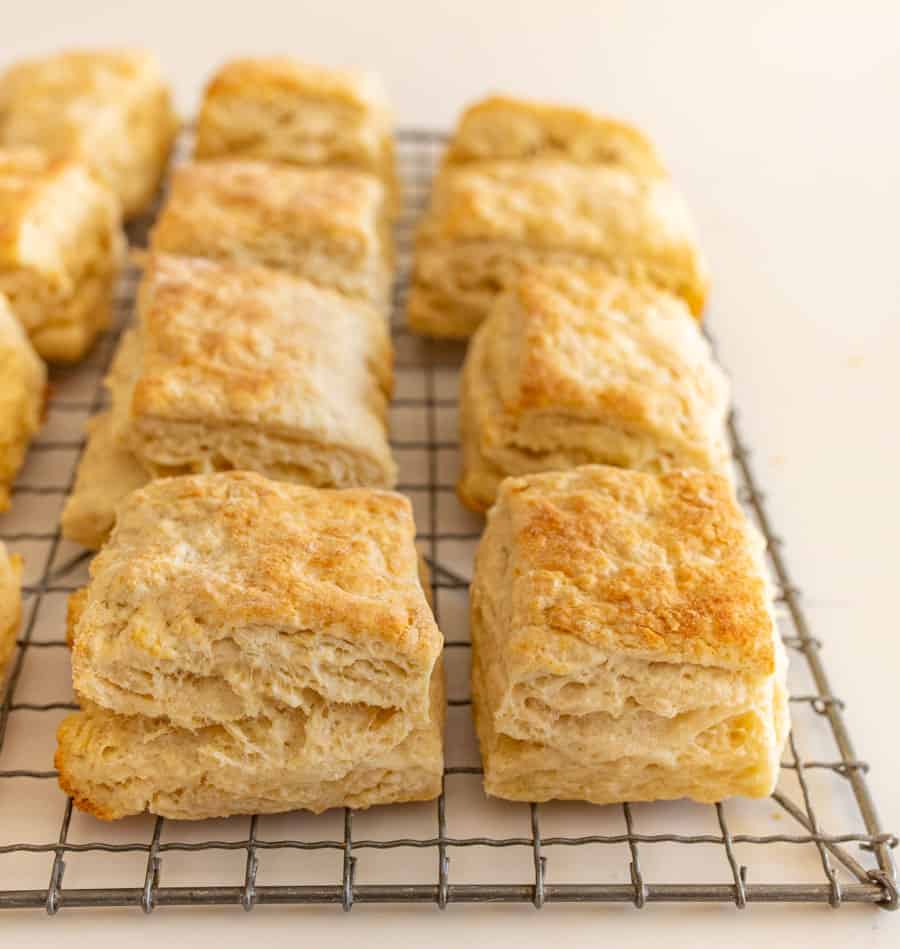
(624, 644)
(84, 140)
(251, 639)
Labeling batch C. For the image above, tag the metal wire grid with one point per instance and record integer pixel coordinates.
(426, 375)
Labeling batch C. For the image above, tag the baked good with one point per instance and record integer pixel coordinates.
(624, 647)
(23, 384)
(327, 225)
(117, 765)
(107, 474)
(579, 366)
(280, 109)
(61, 248)
(489, 220)
(108, 108)
(233, 367)
(10, 604)
(252, 645)
(503, 127)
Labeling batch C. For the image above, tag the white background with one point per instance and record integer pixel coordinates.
(780, 121)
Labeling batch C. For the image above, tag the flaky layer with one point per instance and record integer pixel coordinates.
(23, 381)
(329, 226)
(115, 765)
(110, 109)
(220, 597)
(737, 756)
(578, 367)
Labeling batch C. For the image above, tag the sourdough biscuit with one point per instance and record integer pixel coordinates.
(108, 108)
(578, 366)
(624, 643)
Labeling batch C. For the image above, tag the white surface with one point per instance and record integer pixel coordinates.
(779, 120)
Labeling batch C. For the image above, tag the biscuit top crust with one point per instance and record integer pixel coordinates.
(503, 127)
(262, 76)
(253, 200)
(232, 550)
(665, 567)
(593, 345)
(557, 204)
(223, 342)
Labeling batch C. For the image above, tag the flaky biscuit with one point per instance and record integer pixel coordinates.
(61, 250)
(579, 366)
(327, 225)
(489, 221)
(10, 605)
(108, 108)
(624, 642)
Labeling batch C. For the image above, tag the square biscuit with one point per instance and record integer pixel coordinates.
(23, 387)
(327, 225)
(624, 646)
(490, 220)
(281, 627)
(579, 366)
(108, 108)
(280, 109)
(506, 128)
(238, 368)
(61, 250)
(10, 605)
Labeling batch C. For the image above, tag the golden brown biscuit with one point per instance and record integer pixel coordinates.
(108, 108)
(578, 366)
(61, 248)
(245, 645)
(23, 385)
(327, 225)
(624, 642)
(10, 605)
(279, 109)
(488, 221)
(503, 127)
(219, 597)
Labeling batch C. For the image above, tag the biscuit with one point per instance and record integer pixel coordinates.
(578, 366)
(107, 474)
(327, 225)
(10, 604)
(624, 646)
(219, 597)
(23, 385)
(246, 645)
(61, 249)
(279, 109)
(242, 368)
(490, 220)
(108, 108)
(502, 127)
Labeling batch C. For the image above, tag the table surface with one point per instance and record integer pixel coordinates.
(779, 122)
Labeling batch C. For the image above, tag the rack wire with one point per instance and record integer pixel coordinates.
(834, 852)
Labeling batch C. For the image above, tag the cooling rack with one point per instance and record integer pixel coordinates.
(816, 840)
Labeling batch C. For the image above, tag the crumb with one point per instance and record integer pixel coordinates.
(778, 461)
(854, 362)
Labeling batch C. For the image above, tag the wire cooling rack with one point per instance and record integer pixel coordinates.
(817, 839)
